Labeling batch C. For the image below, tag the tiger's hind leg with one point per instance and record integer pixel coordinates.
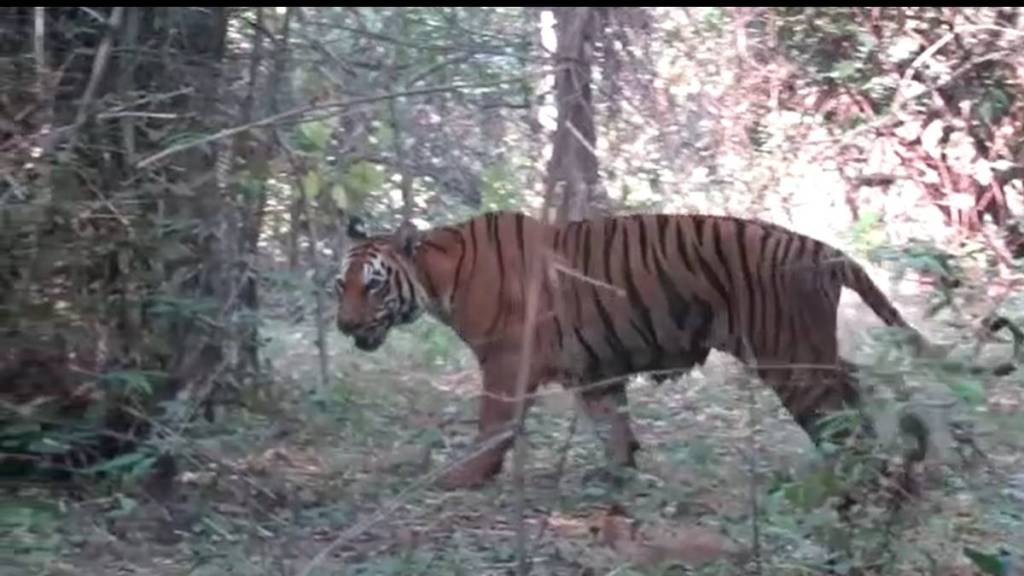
(826, 403)
(898, 472)
(607, 407)
(816, 396)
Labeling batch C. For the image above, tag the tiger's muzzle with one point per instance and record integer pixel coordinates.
(367, 338)
(369, 342)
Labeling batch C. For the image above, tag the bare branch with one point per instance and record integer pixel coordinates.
(99, 66)
(39, 49)
(917, 63)
(331, 105)
(150, 99)
(437, 67)
(158, 115)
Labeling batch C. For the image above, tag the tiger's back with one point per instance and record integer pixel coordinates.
(657, 292)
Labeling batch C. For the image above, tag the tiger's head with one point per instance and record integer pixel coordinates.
(377, 287)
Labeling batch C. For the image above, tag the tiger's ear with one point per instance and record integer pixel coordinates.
(406, 238)
(356, 228)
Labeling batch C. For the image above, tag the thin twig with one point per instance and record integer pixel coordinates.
(158, 115)
(150, 99)
(535, 275)
(99, 66)
(420, 76)
(917, 63)
(571, 272)
(596, 385)
(752, 418)
(575, 132)
(559, 472)
(314, 256)
(301, 110)
(519, 455)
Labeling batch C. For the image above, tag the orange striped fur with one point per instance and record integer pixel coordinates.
(618, 296)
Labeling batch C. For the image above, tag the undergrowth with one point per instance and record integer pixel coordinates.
(265, 486)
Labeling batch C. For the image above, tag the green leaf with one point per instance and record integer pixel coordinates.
(311, 183)
(360, 179)
(251, 188)
(129, 461)
(845, 70)
(183, 138)
(988, 563)
(385, 136)
(499, 190)
(129, 381)
(177, 308)
(866, 41)
(812, 491)
(126, 503)
(172, 250)
(970, 392)
(339, 196)
(48, 446)
(313, 137)
(714, 19)
(26, 512)
(19, 429)
(994, 104)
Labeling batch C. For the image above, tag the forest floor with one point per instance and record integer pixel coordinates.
(344, 473)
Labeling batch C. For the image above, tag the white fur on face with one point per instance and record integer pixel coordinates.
(373, 267)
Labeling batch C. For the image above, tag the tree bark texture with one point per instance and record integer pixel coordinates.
(572, 178)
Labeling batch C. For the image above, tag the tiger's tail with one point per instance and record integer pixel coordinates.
(911, 424)
(856, 278)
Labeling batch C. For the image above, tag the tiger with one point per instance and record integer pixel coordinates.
(615, 296)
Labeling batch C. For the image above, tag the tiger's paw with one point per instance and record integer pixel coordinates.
(471, 474)
(458, 480)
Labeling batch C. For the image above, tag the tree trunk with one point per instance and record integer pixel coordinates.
(132, 254)
(405, 184)
(201, 355)
(572, 179)
(251, 157)
(294, 225)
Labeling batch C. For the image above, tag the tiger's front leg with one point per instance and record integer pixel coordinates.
(607, 407)
(497, 424)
